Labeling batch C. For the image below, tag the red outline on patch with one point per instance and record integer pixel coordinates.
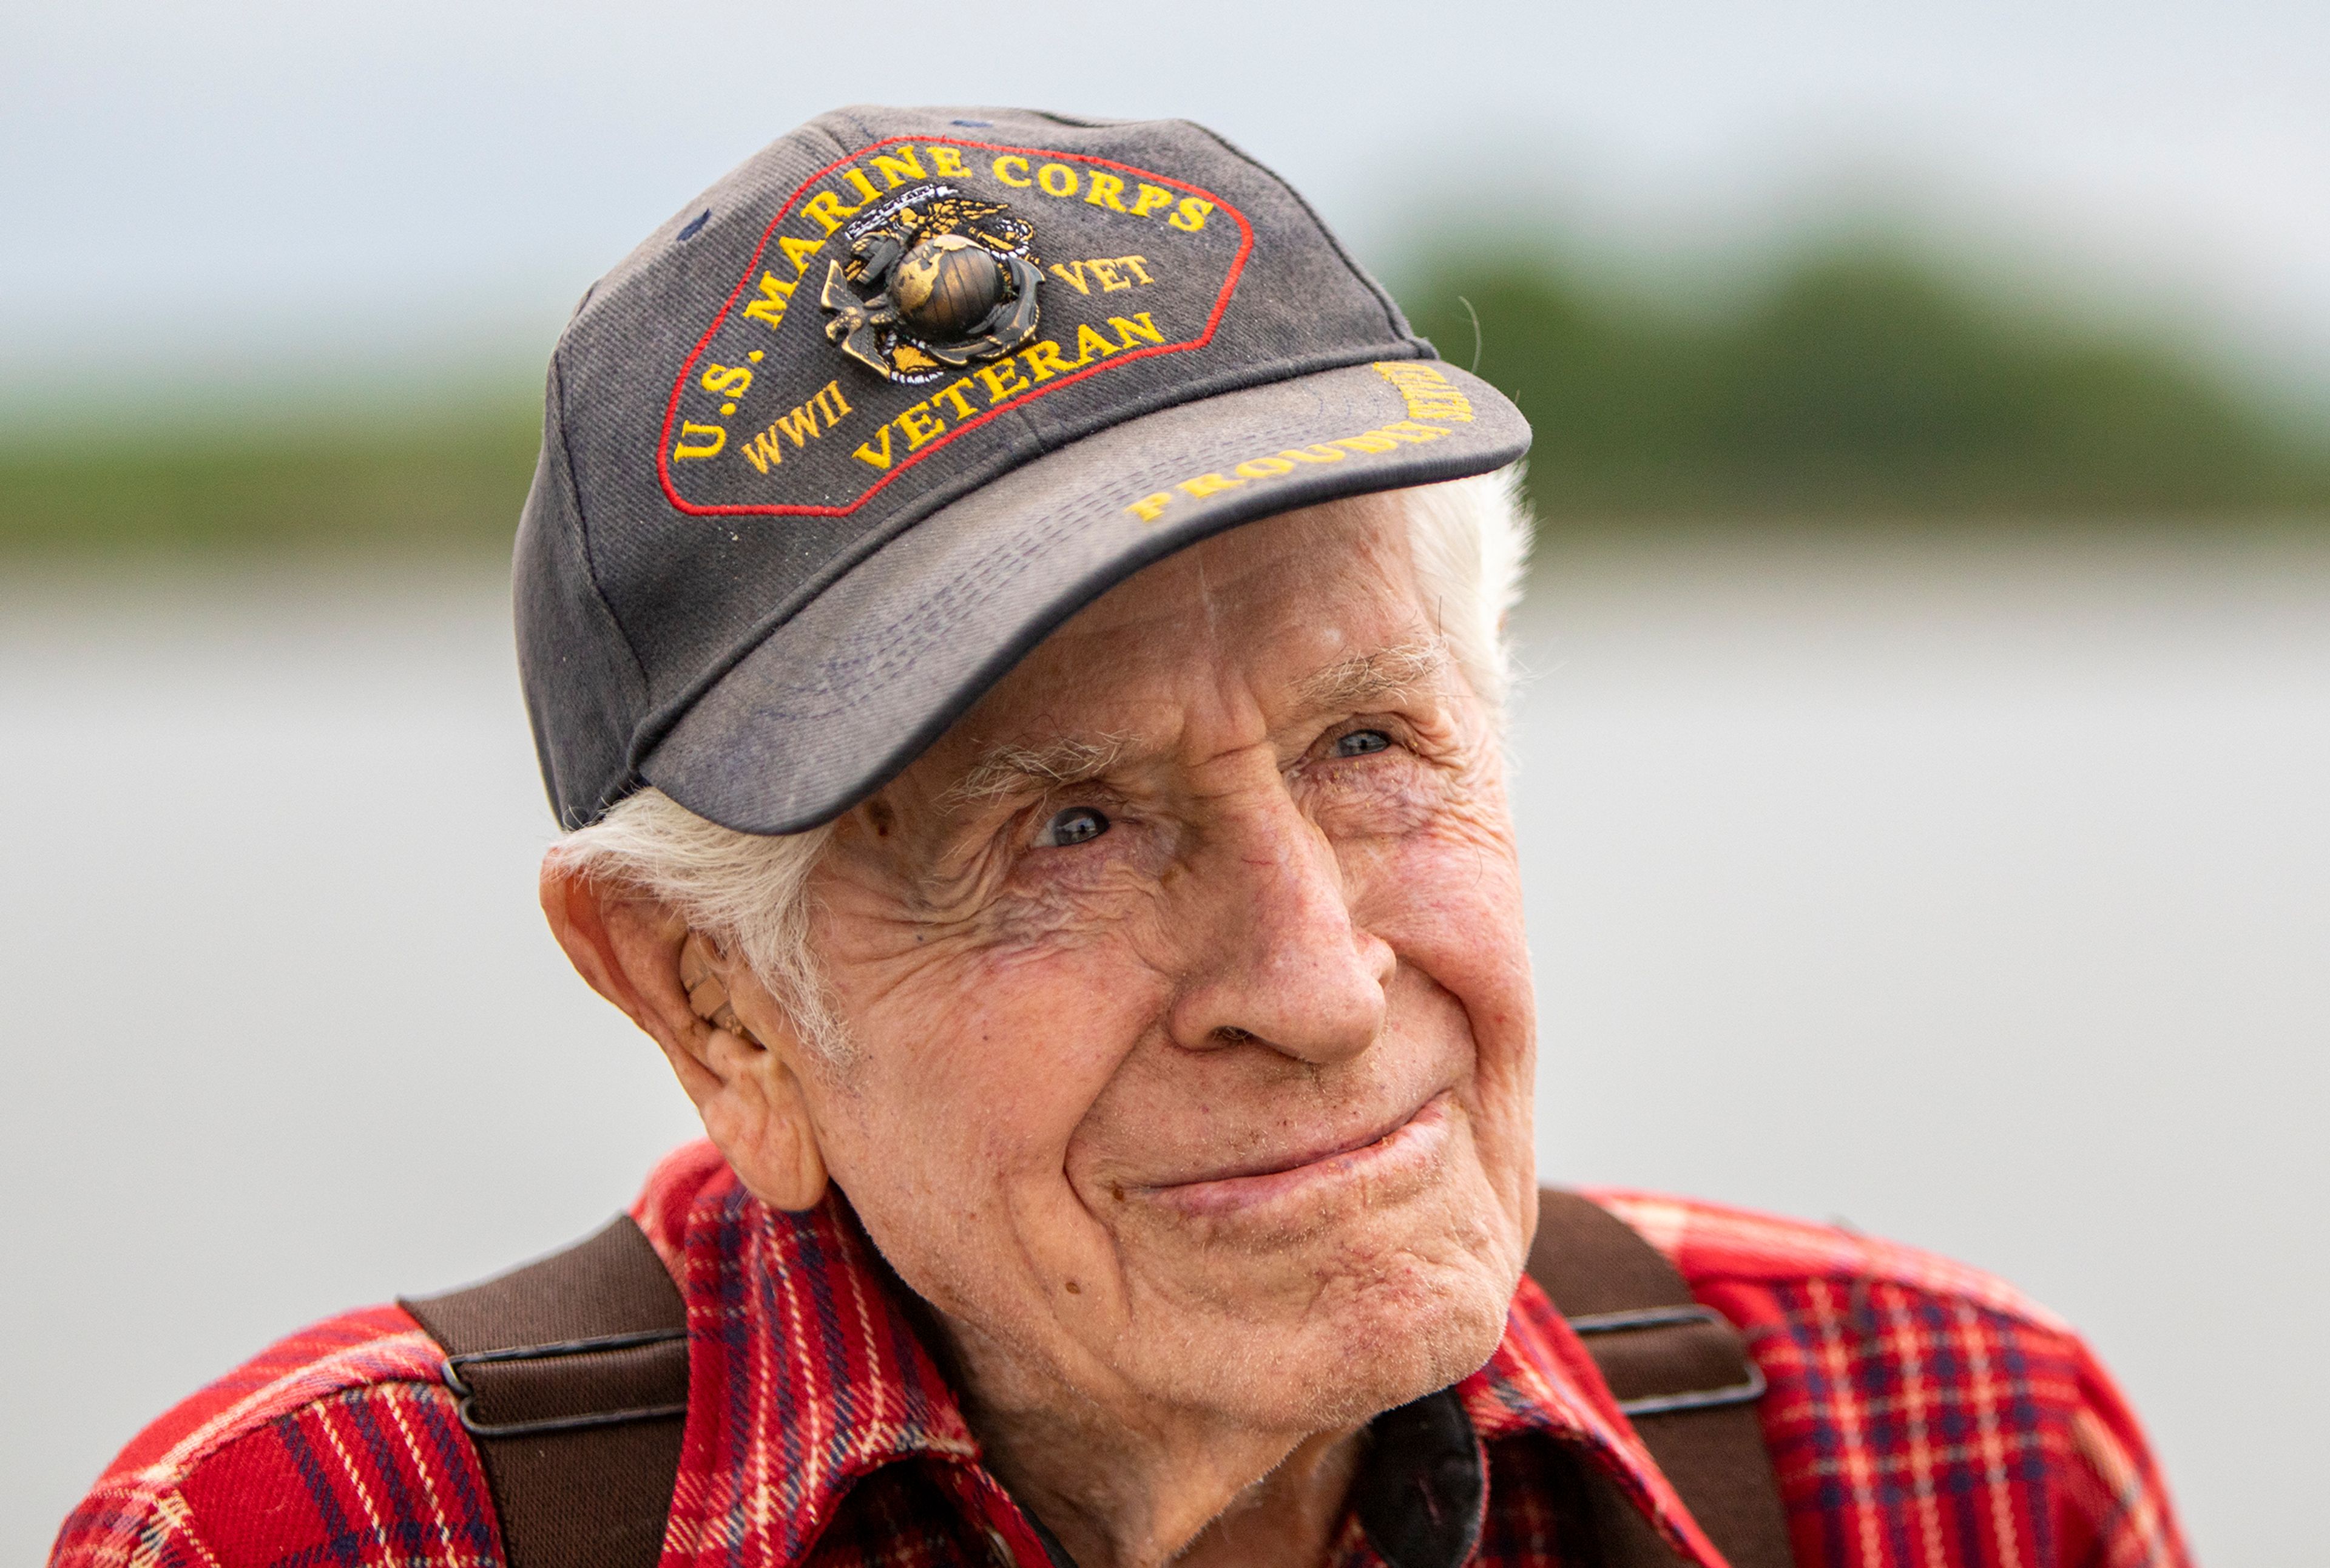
(671, 408)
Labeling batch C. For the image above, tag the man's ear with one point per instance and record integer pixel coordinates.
(745, 1082)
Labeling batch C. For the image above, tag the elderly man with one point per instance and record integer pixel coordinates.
(1012, 620)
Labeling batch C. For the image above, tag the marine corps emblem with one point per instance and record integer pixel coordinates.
(934, 280)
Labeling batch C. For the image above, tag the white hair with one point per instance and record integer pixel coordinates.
(1468, 540)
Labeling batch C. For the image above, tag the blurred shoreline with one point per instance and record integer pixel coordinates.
(1858, 385)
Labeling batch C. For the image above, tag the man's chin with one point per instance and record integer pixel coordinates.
(1359, 1349)
(1383, 1362)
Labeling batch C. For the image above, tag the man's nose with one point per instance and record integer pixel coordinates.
(1275, 959)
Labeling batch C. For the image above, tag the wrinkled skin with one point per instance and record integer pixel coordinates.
(1193, 1042)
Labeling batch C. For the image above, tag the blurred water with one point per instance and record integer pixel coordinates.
(1978, 895)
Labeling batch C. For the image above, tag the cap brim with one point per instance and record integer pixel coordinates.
(835, 701)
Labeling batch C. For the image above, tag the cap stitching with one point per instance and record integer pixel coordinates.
(613, 791)
(632, 748)
(1393, 317)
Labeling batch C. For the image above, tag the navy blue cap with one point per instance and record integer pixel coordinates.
(859, 426)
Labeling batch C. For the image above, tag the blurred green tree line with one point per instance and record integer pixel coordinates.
(1857, 383)
(423, 480)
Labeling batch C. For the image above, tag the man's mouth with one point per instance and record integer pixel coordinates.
(1405, 1144)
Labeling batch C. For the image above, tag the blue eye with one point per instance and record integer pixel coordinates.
(1362, 742)
(1077, 825)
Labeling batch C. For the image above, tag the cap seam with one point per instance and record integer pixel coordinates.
(1078, 121)
(634, 750)
(860, 130)
(1393, 317)
(591, 569)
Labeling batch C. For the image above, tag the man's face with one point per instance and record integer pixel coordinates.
(1193, 1021)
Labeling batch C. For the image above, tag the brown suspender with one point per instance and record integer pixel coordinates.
(573, 1378)
(572, 1375)
(1682, 1374)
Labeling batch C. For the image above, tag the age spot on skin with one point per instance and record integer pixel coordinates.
(1075, 1288)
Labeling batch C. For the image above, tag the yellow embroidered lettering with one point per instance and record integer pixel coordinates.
(1044, 361)
(1139, 326)
(998, 387)
(1387, 437)
(1208, 484)
(798, 252)
(947, 161)
(954, 394)
(1057, 180)
(764, 450)
(1190, 216)
(1022, 181)
(878, 456)
(1089, 343)
(1407, 430)
(1106, 191)
(864, 186)
(898, 170)
(827, 208)
(728, 380)
(922, 426)
(801, 424)
(770, 308)
(691, 442)
(1103, 271)
(1152, 199)
(1426, 391)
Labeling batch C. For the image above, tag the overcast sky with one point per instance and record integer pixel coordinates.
(320, 191)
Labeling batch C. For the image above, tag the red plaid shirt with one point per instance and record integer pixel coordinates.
(1919, 1414)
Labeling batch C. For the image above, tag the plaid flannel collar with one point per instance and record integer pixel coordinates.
(808, 1374)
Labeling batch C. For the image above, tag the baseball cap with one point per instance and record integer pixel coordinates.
(856, 428)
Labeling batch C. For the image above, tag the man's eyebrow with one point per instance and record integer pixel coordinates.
(1366, 679)
(1010, 770)
(1357, 682)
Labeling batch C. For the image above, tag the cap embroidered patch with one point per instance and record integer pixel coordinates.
(912, 292)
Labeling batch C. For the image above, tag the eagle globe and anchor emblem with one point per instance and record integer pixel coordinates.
(934, 281)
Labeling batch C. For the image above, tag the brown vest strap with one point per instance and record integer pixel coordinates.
(573, 1378)
(1682, 1374)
